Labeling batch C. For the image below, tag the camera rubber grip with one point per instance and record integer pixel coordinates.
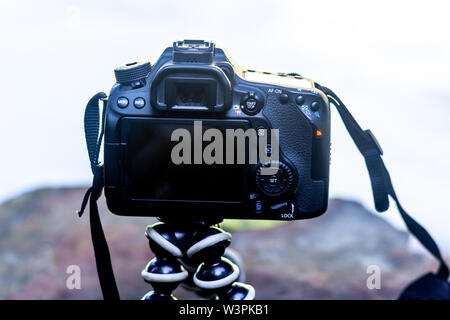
(296, 136)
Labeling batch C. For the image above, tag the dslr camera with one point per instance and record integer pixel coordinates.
(194, 137)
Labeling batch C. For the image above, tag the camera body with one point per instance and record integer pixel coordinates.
(194, 81)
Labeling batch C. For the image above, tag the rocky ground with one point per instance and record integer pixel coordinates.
(322, 258)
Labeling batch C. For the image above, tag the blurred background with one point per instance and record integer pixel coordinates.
(388, 61)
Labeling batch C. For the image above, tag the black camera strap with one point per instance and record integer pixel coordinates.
(365, 141)
(380, 179)
(101, 251)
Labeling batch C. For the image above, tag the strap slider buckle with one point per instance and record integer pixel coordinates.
(374, 140)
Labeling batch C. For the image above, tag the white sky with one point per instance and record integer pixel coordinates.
(387, 60)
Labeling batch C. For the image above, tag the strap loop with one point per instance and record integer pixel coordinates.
(92, 127)
(93, 141)
(374, 141)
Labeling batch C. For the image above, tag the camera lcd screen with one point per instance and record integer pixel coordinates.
(153, 175)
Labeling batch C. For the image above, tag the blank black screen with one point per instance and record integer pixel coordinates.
(152, 175)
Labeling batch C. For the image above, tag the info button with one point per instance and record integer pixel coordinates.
(139, 102)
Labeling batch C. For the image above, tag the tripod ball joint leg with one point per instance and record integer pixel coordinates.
(217, 274)
(164, 272)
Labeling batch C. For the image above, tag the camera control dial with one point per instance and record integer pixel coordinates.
(282, 182)
(132, 73)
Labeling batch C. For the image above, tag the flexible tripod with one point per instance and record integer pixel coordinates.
(193, 254)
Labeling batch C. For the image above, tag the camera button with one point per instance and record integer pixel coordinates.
(273, 180)
(122, 102)
(251, 103)
(139, 102)
(315, 106)
(258, 206)
(284, 98)
(300, 100)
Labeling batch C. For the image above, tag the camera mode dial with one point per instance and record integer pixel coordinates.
(132, 73)
(280, 183)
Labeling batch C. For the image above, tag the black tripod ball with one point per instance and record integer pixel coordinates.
(164, 275)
